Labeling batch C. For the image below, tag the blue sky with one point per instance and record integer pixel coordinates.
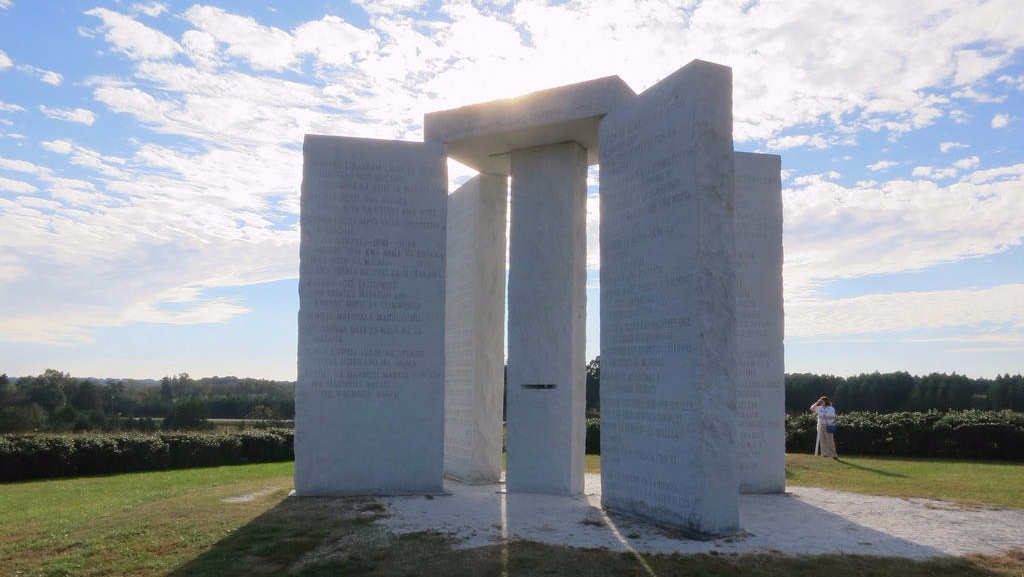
(150, 161)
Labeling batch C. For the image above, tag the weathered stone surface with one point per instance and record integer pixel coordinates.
(369, 401)
(668, 338)
(546, 328)
(481, 135)
(475, 329)
(759, 324)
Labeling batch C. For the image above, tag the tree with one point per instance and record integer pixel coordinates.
(47, 389)
(187, 414)
(594, 384)
(87, 396)
(22, 418)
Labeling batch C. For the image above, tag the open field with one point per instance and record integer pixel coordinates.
(989, 483)
(236, 521)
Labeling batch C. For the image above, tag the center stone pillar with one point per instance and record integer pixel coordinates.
(546, 328)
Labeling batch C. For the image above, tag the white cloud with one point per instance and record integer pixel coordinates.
(16, 186)
(219, 208)
(6, 4)
(18, 165)
(947, 146)
(335, 42)
(1017, 82)
(960, 116)
(5, 107)
(152, 9)
(1000, 174)
(795, 140)
(132, 38)
(906, 311)
(973, 65)
(58, 146)
(935, 173)
(835, 232)
(971, 93)
(5, 60)
(882, 165)
(1000, 120)
(967, 163)
(48, 76)
(264, 47)
(79, 115)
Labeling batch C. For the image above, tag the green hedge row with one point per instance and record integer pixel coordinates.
(969, 434)
(41, 456)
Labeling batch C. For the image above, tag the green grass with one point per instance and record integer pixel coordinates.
(178, 523)
(986, 484)
(133, 524)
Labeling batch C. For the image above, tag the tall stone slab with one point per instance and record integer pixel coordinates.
(760, 324)
(369, 402)
(546, 328)
(475, 329)
(668, 284)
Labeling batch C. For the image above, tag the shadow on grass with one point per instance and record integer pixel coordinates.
(872, 469)
(311, 536)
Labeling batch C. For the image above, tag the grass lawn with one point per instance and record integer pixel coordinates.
(986, 484)
(193, 522)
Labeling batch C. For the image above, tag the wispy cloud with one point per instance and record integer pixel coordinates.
(133, 39)
(16, 186)
(48, 76)
(5, 60)
(882, 165)
(1000, 120)
(835, 232)
(6, 4)
(79, 115)
(906, 311)
(152, 9)
(5, 107)
(163, 219)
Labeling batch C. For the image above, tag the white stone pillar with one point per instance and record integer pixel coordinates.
(369, 401)
(547, 310)
(759, 324)
(668, 317)
(475, 329)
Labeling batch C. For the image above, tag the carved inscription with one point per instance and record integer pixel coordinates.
(667, 290)
(759, 324)
(371, 274)
(648, 335)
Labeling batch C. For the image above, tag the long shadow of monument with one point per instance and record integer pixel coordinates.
(871, 469)
(480, 530)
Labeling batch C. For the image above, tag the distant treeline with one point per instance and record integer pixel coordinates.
(895, 392)
(56, 402)
(878, 392)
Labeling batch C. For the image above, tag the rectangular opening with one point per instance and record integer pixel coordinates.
(540, 386)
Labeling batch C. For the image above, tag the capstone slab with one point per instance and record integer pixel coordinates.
(369, 400)
(474, 329)
(481, 135)
(761, 402)
(668, 284)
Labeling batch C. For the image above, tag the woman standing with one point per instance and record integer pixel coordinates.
(826, 424)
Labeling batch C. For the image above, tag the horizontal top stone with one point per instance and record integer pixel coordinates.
(481, 135)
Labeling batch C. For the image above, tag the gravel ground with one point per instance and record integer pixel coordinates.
(804, 520)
